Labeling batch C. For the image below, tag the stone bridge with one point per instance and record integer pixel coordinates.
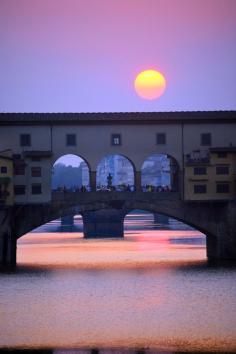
(104, 212)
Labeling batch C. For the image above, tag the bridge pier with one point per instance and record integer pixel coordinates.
(104, 223)
(222, 246)
(8, 239)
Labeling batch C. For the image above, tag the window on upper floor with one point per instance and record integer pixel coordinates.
(206, 139)
(36, 188)
(19, 169)
(35, 171)
(222, 155)
(3, 169)
(35, 158)
(200, 170)
(25, 140)
(70, 140)
(200, 188)
(161, 138)
(222, 170)
(19, 189)
(222, 187)
(116, 139)
(16, 156)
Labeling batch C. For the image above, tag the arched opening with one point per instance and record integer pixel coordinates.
(115, 173)
(53, 243)
(70, 173)
(159, 173)
(166, 238)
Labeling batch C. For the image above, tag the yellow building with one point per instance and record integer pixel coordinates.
(211, 175)
(6, 178)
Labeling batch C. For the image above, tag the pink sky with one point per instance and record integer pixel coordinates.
(83, 55)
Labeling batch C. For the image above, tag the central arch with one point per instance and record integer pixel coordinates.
(115, 172)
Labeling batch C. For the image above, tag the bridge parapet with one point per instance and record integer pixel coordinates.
(72, 198)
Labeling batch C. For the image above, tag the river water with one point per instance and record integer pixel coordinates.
(151, 292)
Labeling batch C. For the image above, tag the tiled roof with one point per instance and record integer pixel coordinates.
(129, 117)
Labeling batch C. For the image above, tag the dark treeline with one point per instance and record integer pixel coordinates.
(67, 176)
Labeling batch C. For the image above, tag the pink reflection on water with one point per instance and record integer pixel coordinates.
(138, 248)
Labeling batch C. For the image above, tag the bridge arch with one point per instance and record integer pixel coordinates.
(216, 223)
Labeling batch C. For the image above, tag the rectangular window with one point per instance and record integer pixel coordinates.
(19, 190)
(35, 171)
(206, 139)
(70, 140)
(222, 188)
(200, 170)
(116, 139)
(19, 170)
(16, 156)
(200, 188)
(35, 159)
(36, 188)
(3, 169)
(222, 155)
(25, 140)
(222, 170)
(161, 138)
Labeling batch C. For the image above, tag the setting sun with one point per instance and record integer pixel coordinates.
(150, 84)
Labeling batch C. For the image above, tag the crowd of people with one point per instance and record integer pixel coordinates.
(118, 188)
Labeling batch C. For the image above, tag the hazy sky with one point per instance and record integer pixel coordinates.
(83, 55)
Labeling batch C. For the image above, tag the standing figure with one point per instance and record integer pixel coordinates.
(109, 181)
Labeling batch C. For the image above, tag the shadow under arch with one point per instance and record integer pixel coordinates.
(154, 209)
(160, 172)
(114, 171)
(70, 171)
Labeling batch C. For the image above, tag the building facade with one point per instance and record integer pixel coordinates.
(6, 178)
(38, 140)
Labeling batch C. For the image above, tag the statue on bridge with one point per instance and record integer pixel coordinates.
(109, 181)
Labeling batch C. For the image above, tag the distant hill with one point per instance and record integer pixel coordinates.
(68, 176)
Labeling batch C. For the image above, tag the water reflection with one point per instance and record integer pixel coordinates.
(151, 290)
(92, 351)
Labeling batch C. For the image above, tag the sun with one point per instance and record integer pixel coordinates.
(150, 84)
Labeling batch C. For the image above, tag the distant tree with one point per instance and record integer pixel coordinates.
(68, 176)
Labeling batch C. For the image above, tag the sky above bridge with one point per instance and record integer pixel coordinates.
(83, 55)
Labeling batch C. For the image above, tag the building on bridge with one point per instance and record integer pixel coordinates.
(6, 178)
(211, 175)
(188, 140)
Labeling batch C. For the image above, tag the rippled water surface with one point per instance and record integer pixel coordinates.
(153, 289)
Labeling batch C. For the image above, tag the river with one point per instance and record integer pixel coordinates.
(150, 292)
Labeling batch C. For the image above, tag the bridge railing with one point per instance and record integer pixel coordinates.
(73, 197)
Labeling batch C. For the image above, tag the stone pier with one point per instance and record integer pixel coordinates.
(7, 238)
(104, 223)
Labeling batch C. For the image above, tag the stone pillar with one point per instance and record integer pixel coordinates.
(7, 245)
(93, 181)
(105, 223)
(8, 238)
(221, 247)
(161, 219)
(137, 181)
